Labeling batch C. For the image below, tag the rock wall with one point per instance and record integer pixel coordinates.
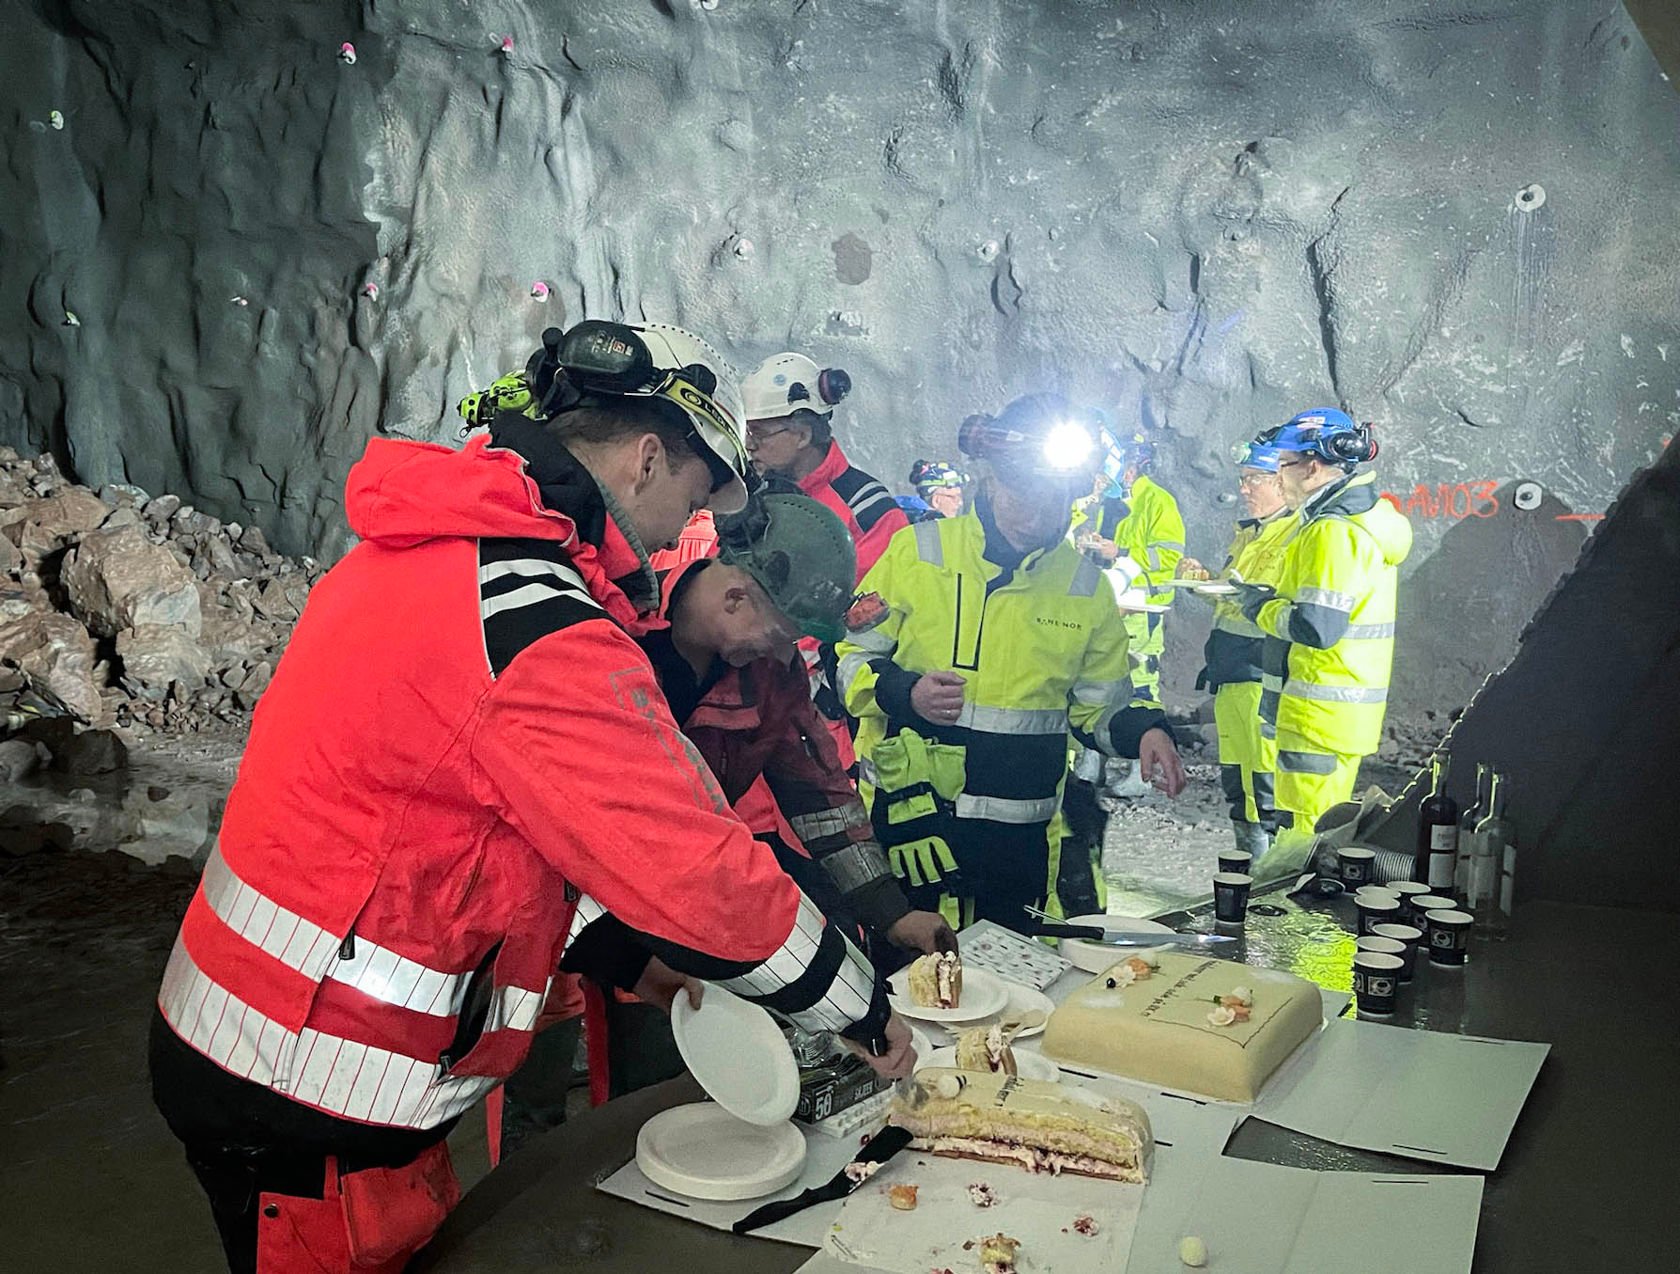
(1454, 218)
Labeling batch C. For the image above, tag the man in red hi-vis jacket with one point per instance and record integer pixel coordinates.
(463, 777)
(790, 404)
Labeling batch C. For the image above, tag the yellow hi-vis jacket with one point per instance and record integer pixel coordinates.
(1042, 648)
(1145, 525)
(1330, 629)
(1232, 653)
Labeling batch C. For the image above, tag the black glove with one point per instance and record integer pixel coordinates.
(1251, 597)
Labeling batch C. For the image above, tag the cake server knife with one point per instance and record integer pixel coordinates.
(882, 1146)
(1134, 939)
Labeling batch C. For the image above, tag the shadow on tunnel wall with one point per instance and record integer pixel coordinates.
(1463, 609)
(1586, 717)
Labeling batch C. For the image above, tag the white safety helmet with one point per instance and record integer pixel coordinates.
(785, 383)
(718, 416)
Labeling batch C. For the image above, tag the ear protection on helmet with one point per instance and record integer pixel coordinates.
(973, 433)
(597, 356)
(1358, 447)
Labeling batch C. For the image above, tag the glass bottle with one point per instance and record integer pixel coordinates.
(1468, 822)
(1497, 841)
(1437, 836)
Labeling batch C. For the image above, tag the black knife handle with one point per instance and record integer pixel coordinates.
(780, 1210)
(1046, 930)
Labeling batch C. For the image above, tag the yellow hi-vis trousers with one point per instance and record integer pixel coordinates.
(1247, 759)
(1309, 781)
(1146, 638)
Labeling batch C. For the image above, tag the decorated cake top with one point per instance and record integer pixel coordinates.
(1228, 1001)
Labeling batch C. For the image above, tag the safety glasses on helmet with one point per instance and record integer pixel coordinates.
(614, 359)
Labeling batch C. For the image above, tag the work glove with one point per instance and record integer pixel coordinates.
(924, 862)
(1251, 597)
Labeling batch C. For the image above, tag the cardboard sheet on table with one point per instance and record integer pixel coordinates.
(1418, 1094)
(1189, 1135)
(825, 1157)
(1034, 1207)
(1264, 1219)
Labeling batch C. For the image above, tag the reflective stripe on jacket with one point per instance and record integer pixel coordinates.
(1042, 648)
(1233, 649)
(1146, 526)
(859, 500)
(461, 738)
(1330, 630)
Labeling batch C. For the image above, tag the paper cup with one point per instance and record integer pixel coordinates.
(1449, 937)
(1408, 936)
(1376, 909)
(1418, 906)
(1377, 891)
(1407, 888)
(1234, 862)
(1381, 945)
(1376, 981)
(1230, 897)
(1355, 864)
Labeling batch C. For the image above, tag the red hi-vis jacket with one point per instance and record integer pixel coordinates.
(860, 501)
(461, 740)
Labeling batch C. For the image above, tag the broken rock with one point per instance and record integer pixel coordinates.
(58, 520)
(119, 579)
(57, 654)
(157, 656)
(18, 759)
(91, 752)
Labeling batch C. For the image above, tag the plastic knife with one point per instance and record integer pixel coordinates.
(882, 1146)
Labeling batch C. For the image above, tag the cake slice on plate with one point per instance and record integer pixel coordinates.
(936, 981)
(985, 1048)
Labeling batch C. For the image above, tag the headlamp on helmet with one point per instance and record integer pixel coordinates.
(598, 359)
(1326, 433)
(1068, 447)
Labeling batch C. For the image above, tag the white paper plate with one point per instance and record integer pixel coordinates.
(1216, 588)
(1177, 582)
(1094, 957)
(706, 1153)
(1029, 1065)
(983, 994)
(738, 1054)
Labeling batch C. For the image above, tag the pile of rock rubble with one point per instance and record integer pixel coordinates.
(126, 609)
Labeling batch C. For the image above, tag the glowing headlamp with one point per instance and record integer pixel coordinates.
(1067, 447)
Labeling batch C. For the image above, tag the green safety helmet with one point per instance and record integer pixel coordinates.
(801, 555)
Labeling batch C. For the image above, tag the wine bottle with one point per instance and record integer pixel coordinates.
(1497, 840)
(1468, 822)
(1437, 837)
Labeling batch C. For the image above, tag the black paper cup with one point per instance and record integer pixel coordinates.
(1449, 936)
(1418, 907)
(1409, 936)
(1376, 909)
(1234, 862)
(1230, 897)
(1376, 944)
(1376, 982)
(1407, 888)
(1355, 865)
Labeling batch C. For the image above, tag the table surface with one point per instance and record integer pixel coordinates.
(1590, 1176)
